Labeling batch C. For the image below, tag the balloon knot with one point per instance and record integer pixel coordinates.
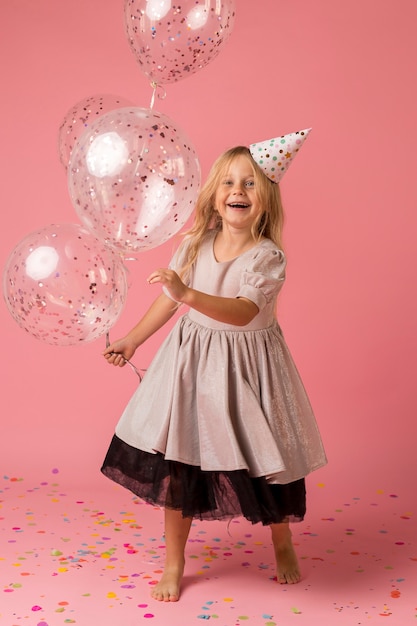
(161, 94)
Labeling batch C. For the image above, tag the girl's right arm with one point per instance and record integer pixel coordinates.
(158, 314)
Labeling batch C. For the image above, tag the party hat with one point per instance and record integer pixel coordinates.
(274, 156)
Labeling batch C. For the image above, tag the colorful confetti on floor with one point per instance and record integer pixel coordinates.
(90, 556)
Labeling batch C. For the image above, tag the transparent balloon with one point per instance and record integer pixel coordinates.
(80, 117)
(64, 286)
(172, 40)
(133, 179)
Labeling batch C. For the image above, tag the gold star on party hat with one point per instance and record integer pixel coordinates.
(274, 156)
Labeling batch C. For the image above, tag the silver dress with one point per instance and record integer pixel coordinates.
(222, 408)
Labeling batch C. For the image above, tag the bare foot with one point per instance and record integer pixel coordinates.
(288, 570)
(168, 588)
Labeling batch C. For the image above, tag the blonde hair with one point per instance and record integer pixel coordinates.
(269, 223)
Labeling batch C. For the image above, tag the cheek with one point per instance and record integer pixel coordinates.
(218, 201)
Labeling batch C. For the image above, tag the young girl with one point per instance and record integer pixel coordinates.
(221, 425)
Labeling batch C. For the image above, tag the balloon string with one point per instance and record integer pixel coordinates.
(134, 368)
(161, 95)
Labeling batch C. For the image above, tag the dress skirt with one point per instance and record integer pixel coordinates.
(220, 427)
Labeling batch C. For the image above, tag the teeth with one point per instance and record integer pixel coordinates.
(239, 205)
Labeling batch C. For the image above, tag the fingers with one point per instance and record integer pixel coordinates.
(114, 358)
(161, 275)
(155, 277)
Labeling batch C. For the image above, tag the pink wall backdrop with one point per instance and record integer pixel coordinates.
(349, 307)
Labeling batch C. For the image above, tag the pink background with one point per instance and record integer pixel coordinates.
(349, 306)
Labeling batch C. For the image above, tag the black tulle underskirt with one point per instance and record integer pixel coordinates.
(200, 494)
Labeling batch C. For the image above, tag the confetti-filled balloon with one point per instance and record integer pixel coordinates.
(172, 40)
(64, 286)
(133, 179)
(80, 117)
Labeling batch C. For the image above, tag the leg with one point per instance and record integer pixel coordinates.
(287, 563)
(177, 528)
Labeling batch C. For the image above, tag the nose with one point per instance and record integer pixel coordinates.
(238, 188)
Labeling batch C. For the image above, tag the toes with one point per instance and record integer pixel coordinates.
(293, 579)
(173, 598)
(165, 595)
(289, 578)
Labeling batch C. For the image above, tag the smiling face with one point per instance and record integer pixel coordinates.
(236, 200)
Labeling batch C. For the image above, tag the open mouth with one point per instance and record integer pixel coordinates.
(238, 205)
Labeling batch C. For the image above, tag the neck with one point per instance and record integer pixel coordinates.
(229, 244)
(236, 239)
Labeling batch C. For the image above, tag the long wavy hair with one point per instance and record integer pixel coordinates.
(268, 224)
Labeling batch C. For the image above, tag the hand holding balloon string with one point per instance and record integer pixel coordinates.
(120, 359)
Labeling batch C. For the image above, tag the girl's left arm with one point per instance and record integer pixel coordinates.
(235, 311)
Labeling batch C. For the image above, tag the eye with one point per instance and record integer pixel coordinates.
(250, 184)
(227, 181)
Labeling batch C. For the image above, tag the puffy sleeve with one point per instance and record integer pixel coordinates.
(263, 276)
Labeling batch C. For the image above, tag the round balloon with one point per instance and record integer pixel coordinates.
(64, 286)
(172, 40)
(133, 179)
(80, 117)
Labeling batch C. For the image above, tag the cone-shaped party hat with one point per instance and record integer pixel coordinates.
(274, 156)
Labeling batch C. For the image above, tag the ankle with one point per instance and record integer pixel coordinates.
(281, 535)
(176, 564)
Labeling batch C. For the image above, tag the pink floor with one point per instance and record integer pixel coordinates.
(89, 557)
